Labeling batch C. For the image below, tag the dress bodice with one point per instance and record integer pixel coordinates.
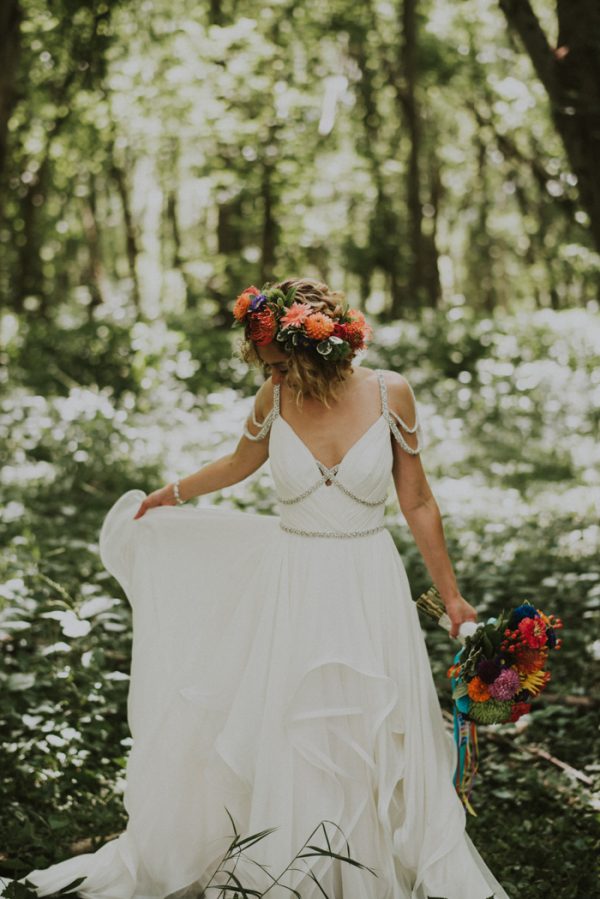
(347, 499)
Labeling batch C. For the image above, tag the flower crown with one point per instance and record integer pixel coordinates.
(271, 314)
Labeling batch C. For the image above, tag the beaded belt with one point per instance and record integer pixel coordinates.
(302, 533)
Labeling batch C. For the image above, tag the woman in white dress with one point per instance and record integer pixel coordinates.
(279, 674)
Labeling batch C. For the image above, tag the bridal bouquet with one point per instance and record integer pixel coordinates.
(501, 667)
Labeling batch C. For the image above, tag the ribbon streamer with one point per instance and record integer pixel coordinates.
(465, 737)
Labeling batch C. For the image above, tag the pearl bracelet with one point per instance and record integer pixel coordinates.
(178, 498)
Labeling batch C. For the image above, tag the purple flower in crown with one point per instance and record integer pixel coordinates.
(257, 302)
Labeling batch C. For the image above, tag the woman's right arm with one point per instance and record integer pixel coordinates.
(247, 457)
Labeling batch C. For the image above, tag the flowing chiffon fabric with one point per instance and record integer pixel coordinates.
(283, 679)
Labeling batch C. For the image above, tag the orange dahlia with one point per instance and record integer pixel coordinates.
(318, 326)
(356, 315)
(242, 303)
(262, 326)
(478, 690)
(530, 660)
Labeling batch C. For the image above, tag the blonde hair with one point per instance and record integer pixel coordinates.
(308, 373)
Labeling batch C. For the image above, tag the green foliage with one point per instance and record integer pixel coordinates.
(164, 155)
(92, 354)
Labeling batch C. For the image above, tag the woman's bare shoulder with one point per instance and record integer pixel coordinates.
(393, 379)
(264, 397)
(400, 394)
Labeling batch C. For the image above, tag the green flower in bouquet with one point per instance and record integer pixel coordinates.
(493, 711)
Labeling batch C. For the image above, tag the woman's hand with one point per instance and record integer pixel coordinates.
(162, 497)
(459, 610)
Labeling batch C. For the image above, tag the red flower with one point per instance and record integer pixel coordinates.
(352, 332)
(533, 632)
(518, 709)
(262, 326)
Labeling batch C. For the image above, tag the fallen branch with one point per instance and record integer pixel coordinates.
(532, 750)
(574, 772)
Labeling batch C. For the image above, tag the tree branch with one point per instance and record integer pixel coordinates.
(520, 16)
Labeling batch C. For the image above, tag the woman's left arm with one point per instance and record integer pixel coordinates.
(421, 511)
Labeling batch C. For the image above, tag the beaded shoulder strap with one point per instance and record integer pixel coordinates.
(264, 426)
(389, 416)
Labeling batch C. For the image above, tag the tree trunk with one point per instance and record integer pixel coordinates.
(408, 53)
(10, 45)
(269, 229)
(177, 261)
(229, 233)
(215, 13)
(28, 276)
(571, 76)
(131, 235)
(95, 270)
(29, 273)
(481, 238)
(431, 271)
(385, 237)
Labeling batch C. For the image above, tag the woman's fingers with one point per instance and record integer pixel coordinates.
(459, 612)
(160, 497)
(142, 510)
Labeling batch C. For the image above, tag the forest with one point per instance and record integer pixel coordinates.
(434, 160)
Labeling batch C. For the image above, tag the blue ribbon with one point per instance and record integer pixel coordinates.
(465, 738)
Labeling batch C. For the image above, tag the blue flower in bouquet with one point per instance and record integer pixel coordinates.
(525, 610)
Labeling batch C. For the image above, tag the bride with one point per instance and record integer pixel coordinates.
(279, 675)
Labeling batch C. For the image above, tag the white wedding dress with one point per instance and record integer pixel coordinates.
(279, 672)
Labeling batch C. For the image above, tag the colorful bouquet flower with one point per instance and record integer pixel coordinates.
(270, 314)
(500, 669)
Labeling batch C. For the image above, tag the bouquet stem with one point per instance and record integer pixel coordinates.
(431, 603)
